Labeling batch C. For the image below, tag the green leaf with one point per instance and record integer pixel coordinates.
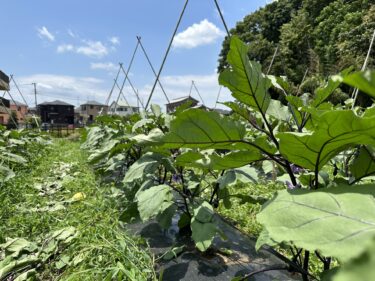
(173, 253)
(363, 80)
(335, 131)
(156, 110)
(145, 165)
(278, 110)
(183, 221)
(203, 227)
(322, 93)
(141, 123)
(154, 201)
(245, 175)
(203, 234)
(264, 239)
(165, 217)
(245, 78)
(362, 268)
(337, 221)
(195, 128)
(103, 152)
(219, 162)
(204, 212)
(364, 164)
(15, 247)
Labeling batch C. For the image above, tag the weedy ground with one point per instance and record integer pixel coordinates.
(59, 191)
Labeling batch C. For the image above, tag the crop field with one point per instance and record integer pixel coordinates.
(279, 185)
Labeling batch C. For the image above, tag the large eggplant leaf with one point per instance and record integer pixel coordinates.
(245, 78)
(361, 268)
(337, 221)
(145, 165)
(195, 128)
(154, 201)
(334, 132)
(103, 152)
(203, 227)
(364, 81)
(364, 164)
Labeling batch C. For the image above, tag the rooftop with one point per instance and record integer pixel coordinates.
(4, 81)
(17, 103)
(92, 102)
(182, 99)
(56, 102)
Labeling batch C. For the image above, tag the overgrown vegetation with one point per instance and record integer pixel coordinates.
(58, 223)
(319, 36)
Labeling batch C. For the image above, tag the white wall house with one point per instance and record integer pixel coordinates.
(122, 108)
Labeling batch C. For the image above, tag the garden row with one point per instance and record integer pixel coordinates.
(188, 164)
(57, 223)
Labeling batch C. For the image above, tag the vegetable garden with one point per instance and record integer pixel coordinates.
(193, 164)
(323, 153)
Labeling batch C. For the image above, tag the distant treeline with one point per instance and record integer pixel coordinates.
(321, 36)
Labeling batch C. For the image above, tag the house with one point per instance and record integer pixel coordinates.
(21, 109)
(4, 82)
(173, 104)
(4, 111)
(4, 115)
(91, 109)
(122, 108)
(56, 112)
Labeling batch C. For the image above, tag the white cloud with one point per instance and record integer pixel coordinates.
(109, 66)
(115, 40)
(199, 34)
(72, 34)
(70, 89)
(93, 49)
(76, 90)
(43, 33)
(65, 48)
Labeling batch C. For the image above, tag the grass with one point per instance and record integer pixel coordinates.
(243, 215)
(60, 190)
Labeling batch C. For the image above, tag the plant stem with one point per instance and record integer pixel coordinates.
(216, 189)
(306, 266)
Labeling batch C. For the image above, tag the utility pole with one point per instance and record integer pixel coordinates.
(36, 102)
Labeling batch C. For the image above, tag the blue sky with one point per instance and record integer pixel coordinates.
(71, 49)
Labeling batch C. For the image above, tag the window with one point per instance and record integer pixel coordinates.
(91, 107)
(83, 107)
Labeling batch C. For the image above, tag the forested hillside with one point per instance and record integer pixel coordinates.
(322, 37)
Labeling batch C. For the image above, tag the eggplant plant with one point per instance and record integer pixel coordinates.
(181, 165)
(325, 151)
